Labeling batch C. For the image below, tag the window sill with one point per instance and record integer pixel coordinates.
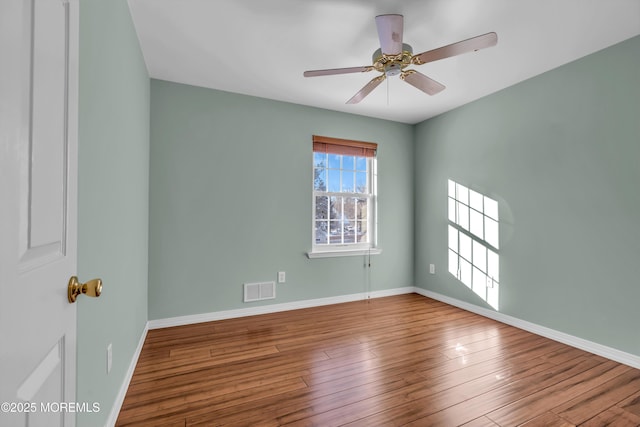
(341, 253)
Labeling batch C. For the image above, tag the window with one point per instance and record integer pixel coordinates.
(344, 196)
(474, 241)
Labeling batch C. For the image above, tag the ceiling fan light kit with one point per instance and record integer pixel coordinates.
(394, 57)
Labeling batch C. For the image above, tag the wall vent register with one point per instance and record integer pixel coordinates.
(259, 291)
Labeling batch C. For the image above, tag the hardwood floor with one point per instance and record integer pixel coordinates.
(402, 360)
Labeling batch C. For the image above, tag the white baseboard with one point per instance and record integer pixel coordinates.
(117, 405)
(590, 346)
(274, 308)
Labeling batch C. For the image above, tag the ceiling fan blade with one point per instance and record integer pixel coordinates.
(422, 82)
(474, 43)
(366, 90)
(390, 28)
(331, 71)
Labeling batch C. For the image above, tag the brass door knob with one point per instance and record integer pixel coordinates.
(93, 288)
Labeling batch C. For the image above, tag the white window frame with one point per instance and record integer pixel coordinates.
(324, 250)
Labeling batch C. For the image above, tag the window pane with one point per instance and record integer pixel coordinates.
(361, 232)
(322, 207)
(321, 232)
(335, 232)
(334, 181)
(336, 207)
(480, 255)
(320, 160)
(334, 161)
(463, 194)
(453, 263)
(361, 182)
(491, 232)
(452, 210)
(348, 181)
(475, 200)
(453, 239)
(476, 223)
(349, 231)
(349, 209)
(320, 179)
(362, 208)
(493, 265)
(491, 208)
(463, 216)
(465, 246)
(348, 163)
(361, 163)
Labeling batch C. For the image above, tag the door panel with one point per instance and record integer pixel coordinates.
(44, 123)
(44, 388)
(38, 185)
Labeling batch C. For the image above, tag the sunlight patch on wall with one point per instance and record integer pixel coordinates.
(474, 242)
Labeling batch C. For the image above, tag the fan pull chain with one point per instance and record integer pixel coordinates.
(387, 92)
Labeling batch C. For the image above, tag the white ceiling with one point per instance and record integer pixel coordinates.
(262, 47)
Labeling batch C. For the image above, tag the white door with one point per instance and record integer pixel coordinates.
(38, 184)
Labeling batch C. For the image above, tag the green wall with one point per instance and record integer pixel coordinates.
(113, 199)
(561, 154)
(230, 201)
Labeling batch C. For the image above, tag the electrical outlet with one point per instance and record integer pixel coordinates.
(109, 358)
(432, 268)
(282, 276)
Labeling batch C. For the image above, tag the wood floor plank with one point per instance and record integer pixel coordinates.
(564, 391)
(481, 422)
(485, 403)
(220, 375)
(632, 404)
(613, 417)
(606, 394)
(548, 419)
(319, 398)
(178, 407)
(470, 400)
(402, 360)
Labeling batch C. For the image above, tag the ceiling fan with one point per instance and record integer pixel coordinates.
(394, 56)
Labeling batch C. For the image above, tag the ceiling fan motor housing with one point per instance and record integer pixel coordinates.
(392, 65)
